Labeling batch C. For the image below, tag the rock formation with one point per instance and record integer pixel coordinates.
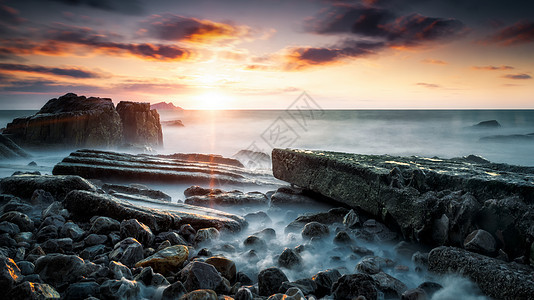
(165, 106)
(8, 149)
(78, 121)
(434, 201)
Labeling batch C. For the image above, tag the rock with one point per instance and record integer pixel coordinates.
(40, 196)
(430, 288)
(440, 232)
(171, 236)
(8, 149)
(270, 280)
(324, 281)
(315, 229)
(33, 291)
(58, 269)
(173, 123)
(168, 216)
(149, 278)
(480, 241)
(266, 234)
(140, 124)
(26, 267)
(128, 252)
(206, 235)
(167, 260)
(373, 264)
(47, 233)
(9, 228)
(254, 242)
(508, 138)
(258, 217)
(196, 190)
(55, 220)
(165, 106)
(487, 124)
(16, 204)
(23, 186)
(414, 294)
(82, 290)
(95, 239)
(243, 294)
(120, 289)
(354, 285)
(104, 225)
(10, 274)
(334, 215)
(389, 285)
(57, 245)
(420, 259)
(224, 266)
(174, 291)
(351, 219)
(342, 237)
(228, 198)
(494, 277)
(199, 275)
(55, 208)
(21, 220)
(183, 168)
(93, 251)
(136, 189)
(291, 195)
(433, 187)
(137, 230)
(307, 286)
(201, 294)
(70, 120)
(119, 270)
(289, 259)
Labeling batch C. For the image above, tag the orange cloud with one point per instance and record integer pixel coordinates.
(521, 32)
(435, 62)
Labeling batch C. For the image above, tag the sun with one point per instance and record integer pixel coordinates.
(212, 100)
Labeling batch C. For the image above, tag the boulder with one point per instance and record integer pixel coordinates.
(33, 291)
(167, 260)
(494, 277)
(82, 290)
(289, 259)
(104, 225)
(307, 286)
(206, 235)
(23, 186)
(60, 269)
(315, 229)
(174, 291)
(119, 270)
(201, 294)
(70, 120)
(149, 278)
(128, 252)
(136, 190)
(224, 265)
(140, 124)
(354, 285)
(21, 220)
(480, 241)
(137, 230)
(120, 289)
(228, 198)
(389, 285)
(270, 280)
(9, 274)
(199, 275)
(292, 195)
(324, 281)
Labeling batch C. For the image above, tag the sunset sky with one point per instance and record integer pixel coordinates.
(263, 54)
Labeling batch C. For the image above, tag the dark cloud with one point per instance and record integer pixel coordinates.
(428, 85)
(517, 76)
(68, 72)
(492, 68)
(302, 57)
(384, 24)
(178, 28)
(62, 39)
(41, 86)
(128, 7)
(519, 33)
(9, 16)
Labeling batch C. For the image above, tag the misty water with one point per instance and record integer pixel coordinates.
(439, 133)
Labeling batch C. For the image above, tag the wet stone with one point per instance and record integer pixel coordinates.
(224, 265)
(137, 230)
(71, 230)
(352, 220)
(174, 291)
(354, 285)
(119, 270)
(270, 280)
(315, 229)
(480, 241)
(199, 275)
(21, 220)
(9, 228)
(95, 239)
(289, 259)
(33, 290)
(104, 225)
(206, 235)
(10, 274)
(128, 251)
(324, 281)
(255, 243)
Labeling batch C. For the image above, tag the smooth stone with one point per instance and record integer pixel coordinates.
(119, 270)
(128, 252)
(167, 260)
(354, 285)
(137, 230)
(270, 280)
(480, 241)
(33, 291)
(224, 265)
(324, 281)
(58, 269)
(199, 275)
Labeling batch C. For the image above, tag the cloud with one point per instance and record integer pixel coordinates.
(521, 32)
(492, 68)
(42, 86)
(172, 27)
(517, 76)
(303, 57)
(72, 72)
(9, 16)
(62, 39)
(434, 62)
(127, 7)
(428, 85)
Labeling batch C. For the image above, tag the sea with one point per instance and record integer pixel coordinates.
(427, 133)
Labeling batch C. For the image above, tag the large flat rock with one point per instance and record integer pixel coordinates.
(422, 197)
(157, 215)
(176, 168)
(494, 277)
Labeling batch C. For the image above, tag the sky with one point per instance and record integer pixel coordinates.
(248, 54)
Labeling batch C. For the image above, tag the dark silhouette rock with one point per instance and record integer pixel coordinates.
(24, 186)
(324, 281)
(137, 230)
(494, 277)
(8, 149)
(270, 280)
(58, 269)
(487, 124)
(199, 275)
(228, 198)
(140, 124)
(33, 291)
(354, 285)
(128, 252)
(70, 120)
